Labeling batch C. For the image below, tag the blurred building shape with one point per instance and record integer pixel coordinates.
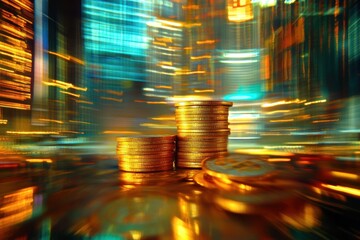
(238, 65)
(353, 48)
(58, 84)
(16, 45)
(180, 54)
(115, 44)
(239, 52)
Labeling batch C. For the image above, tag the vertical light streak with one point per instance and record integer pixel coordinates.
(40, 63)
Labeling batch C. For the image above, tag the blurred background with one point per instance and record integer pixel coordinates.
(74, 74)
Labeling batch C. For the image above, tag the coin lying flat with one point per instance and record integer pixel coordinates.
(238, 167)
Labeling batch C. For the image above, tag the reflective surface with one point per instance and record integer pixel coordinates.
(312, 196)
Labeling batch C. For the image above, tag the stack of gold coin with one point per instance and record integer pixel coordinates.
(149, 153)
(203, 131)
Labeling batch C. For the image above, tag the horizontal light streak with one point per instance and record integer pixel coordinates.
(204, 90)
(71, 94)
(282, 120)
(14, 105)
(39, 160)
(343, 189)
(350, 176)
(63, 85)
(239, 61)
(120, 132)
(241, 55)
(33, 132)
(282, 102)
(50, 120)
(315, 102)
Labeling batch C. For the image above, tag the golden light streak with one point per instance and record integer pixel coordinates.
(315, 102)
(343, 189)
(163, 118)
(163, 87)
(25, 6)
(282, 120)
(112, 99)
(325, 121)
(164, 39)
(164, 63)
(120, 132)
(160, 43)
(39, 160)
(63, 85)
(156, 102)
(51, 120)
(282, 102)
(32, 133)
(189, 72)
(204, 90)
(279, 159)
(171, 23)
(350, 176)
(277, 111)
(85, 102)
(4, 69)
(200, 57)
(71, 94)
(205, 42)
(67, 57)
(15, 105)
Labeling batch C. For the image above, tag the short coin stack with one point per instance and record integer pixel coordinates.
(149, 153)
(203, 131)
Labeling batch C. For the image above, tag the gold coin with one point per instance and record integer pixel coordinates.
(201, 118)
(198, 144)
(144, 164)
(146, 154)
(163, 168)
(212, 117)
(146, 139)
(197, 154)
(146, 161)
(238, 167)
(144, 157)
(201, 108)
(200, 126)
(143, 151)
(132, 146)
(204, 122)
(204, 103)
(188, 165)
(205, 180)
(202, 149)
(141, 165)
(210, 139)
(203, 113)
(212, 131)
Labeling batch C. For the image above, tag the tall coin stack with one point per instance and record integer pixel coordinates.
(203, 131)
(145, 153)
